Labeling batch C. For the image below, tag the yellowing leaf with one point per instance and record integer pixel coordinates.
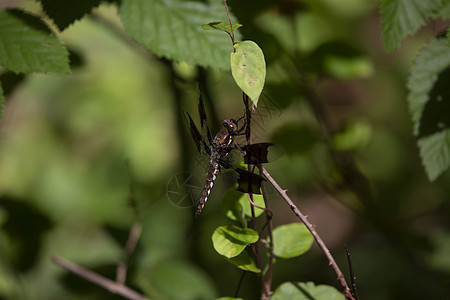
(249, 68)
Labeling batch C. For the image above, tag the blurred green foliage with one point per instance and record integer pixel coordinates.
(83, 156)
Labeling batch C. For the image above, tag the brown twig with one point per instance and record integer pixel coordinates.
(133, 238)
(231, 25)
(318, 239)
(269, 232)
(107, 284)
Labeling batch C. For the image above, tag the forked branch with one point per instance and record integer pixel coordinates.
(108, 284)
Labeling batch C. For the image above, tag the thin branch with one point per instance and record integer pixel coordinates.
(318, 239)
(231, 25)
(256, 251)
(133, 238)
(107, 284)
(239, 284)
(352, 274)
(256, 205)
(269, 231)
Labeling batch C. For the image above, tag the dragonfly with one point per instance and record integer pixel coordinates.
(219, 147)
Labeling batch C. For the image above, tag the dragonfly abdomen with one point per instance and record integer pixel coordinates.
(213, 171)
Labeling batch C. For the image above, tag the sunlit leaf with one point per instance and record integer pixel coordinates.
(228, 298)
(428, 102)
(400, 18)
(28, 45)
(249, 68)
(230, 241)
(291, 240)
(306, 291)
(236, 205)
(173, 29)
(244, 262)
(65, 13)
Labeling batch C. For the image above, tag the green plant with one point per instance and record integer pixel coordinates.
(305, 44)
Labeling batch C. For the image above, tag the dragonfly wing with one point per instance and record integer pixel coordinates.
(202, 114)
(256, 153)
(197, 137)
(249, 182)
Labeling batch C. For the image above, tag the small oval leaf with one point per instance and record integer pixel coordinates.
(291, 240)
(230, 241)
(221, 26)
(249, 68)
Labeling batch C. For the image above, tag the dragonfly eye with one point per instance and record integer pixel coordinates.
(230, 125)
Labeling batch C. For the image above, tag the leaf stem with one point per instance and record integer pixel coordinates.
(231, 25)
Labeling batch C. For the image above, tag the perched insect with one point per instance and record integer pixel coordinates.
(219, 147)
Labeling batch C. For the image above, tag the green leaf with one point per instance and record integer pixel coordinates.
(65, 13)
(230, 241)
(249, 68)
(291, 240)
(229, 298)
(435, 153)
(400, 18)
(235, 205)
(173, 29)
(306, 291)
(222, 26)
(28, 45)
(428, 102)
(244, 262)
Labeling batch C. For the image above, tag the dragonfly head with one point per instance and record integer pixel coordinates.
(231, 126)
